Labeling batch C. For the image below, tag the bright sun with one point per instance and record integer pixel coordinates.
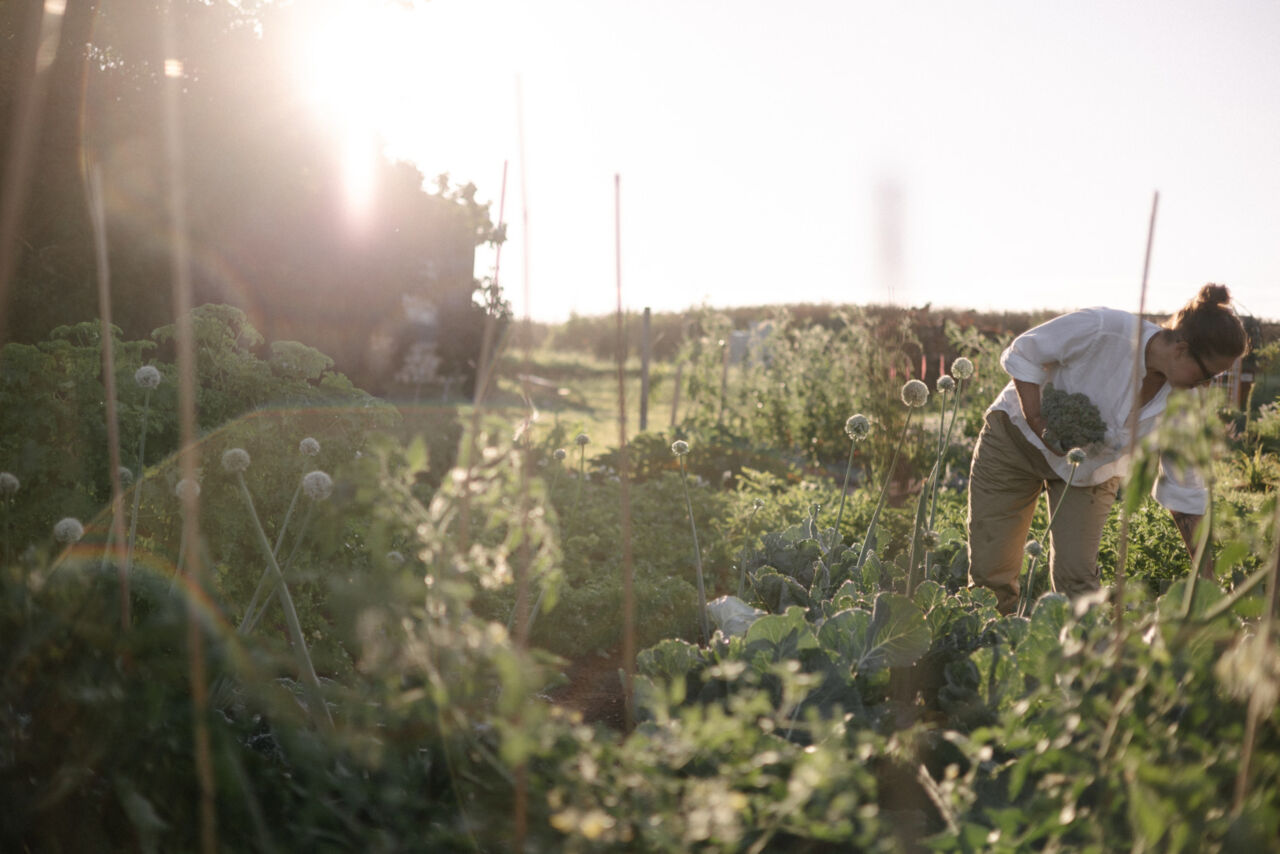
(430, 83)
(357, 67)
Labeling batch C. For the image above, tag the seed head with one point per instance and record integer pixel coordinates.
(757, 504)
(560, 454)
(962, 368)
(915, 393)
(1076, 456)
(235, 460)
(857, 427)
(946, 384)
(582, 439)
(930, 539)
(8, 484)
(395, 557)
(317, 485)
(68, 530)
(679, 447)
(309, 447)
(148, 377)
(126, 476)
(1032, 548)
(187, 485)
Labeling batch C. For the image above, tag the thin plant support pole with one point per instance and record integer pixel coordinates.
(307, 670)
(624, 474)
(1131, 423)
(188, 460)
(98, 219)
(646, 353)
(884, 491)
(520, 817)
(675, 393)
(697, 556)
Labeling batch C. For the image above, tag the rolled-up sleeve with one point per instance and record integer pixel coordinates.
(1180, 490)
(1054, 341)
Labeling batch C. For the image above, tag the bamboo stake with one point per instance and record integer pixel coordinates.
(180, 271)
(628, 579)
(1131, 423)
(98, 219)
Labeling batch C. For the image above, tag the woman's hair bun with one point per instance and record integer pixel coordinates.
(1212, 294)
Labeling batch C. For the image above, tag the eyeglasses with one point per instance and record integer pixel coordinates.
(1209, 376)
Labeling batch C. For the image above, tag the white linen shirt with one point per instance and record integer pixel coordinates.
(1091, 351)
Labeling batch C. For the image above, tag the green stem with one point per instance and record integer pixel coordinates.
(853, 444)
(1025, 597)
(884, 491)
(266, 573)
(250, 621)
(697, 554)
(308, 671)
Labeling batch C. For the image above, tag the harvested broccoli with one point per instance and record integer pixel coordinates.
(1073, 419)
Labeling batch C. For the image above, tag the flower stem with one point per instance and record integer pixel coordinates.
(137, 484)
(843, 490)
(697, 554)
(308, 671)
(868, 540)
(1024, 603)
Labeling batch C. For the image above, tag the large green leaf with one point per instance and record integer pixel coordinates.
(1040, 650)
(779, 636)
(897, 636)
(843, 636)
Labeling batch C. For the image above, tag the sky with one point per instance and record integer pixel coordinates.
(992, 155)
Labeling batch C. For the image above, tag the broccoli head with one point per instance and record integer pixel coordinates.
(1074, 421)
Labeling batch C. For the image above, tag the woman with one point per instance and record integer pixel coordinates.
(1091, 352)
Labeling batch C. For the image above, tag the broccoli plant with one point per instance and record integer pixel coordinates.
(1073, 419)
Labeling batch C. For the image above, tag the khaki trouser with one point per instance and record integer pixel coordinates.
(1006, 478)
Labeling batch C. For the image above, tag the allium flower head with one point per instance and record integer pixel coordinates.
(187, 485)
(915, 393)
(930, 539)
(126, 475)
(946, 384)
(235, 460)
(8, 484)
(560, 453)
(148, 376)
(582, 439)
(857, 427)
(1076, 456)
(309, 447)
(679, 447)
(68, 530)
(317, 485)
(1032, 548)
(962, 368)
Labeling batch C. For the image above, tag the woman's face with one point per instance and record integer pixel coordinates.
(1191, 369)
